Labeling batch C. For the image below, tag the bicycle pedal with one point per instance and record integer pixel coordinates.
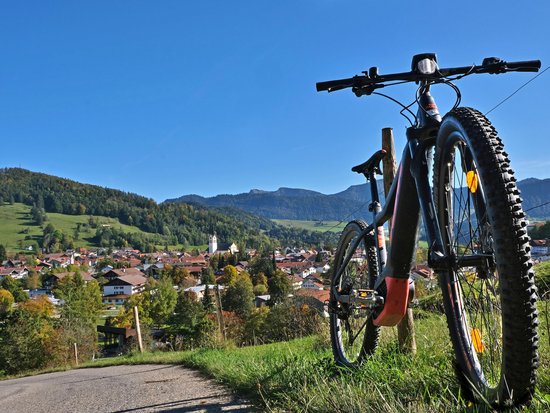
(366, 298)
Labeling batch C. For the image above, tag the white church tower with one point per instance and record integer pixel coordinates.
(212, 244)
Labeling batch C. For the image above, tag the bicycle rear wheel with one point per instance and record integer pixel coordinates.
(353, 335)
(489, 293)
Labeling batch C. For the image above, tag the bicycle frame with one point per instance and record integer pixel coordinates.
(410, 195)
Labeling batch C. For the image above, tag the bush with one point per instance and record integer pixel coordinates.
(542, 279)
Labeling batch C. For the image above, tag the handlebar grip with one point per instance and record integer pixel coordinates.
(335, 84)
(526, 66)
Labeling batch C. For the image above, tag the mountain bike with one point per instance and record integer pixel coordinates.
(476, 232)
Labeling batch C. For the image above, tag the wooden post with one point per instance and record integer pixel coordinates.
(75, 354)
(221, 320)
(138, 329)
(405, 328)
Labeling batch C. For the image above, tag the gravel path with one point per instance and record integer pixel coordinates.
(145, 388)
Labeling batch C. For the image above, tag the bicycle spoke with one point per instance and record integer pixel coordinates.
(478, 291)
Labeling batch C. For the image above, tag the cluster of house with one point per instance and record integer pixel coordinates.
(305, 269)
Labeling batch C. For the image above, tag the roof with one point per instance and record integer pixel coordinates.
(195, 269)
(86, 276)
(321, 295)
(292, 264)
(127, 271)
(133, 279)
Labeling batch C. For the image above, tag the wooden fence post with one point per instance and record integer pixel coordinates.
(75, 348)
(405, 328)
(221, 320)
(138, 329)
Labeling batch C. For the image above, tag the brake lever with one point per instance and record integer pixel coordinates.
(366, 90)
(494, 65)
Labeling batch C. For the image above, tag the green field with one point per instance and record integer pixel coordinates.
(320, 226)
(17, 228)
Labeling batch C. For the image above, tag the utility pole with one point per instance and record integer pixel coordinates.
(405, 328)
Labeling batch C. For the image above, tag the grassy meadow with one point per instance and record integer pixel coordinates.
(300, 376)
(16, 225)
(320, 226)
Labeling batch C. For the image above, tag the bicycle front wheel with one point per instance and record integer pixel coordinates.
(353, 335)
(489, 293)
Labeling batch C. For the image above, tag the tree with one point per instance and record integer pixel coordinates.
(207, 302)
(6, 303)
(214, 261)
(13, 286)
(3, 255)
(33, 280)
(79, 312)
(38, 215)
(280, 287)
(208, 276)
(229, 274)
(179, 274)
(125, 317)
(163, 299)
(254, 327)
(239, 296)
(541, 231)
(262, 265)
(28, 337)
(190, 323)
(260, 289)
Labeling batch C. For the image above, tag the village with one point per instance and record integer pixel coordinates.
(129, 269)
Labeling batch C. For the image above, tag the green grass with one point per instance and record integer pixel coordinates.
(320, 226)
(300, 375)
(16, 225)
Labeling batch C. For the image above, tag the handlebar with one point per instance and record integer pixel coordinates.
(490, 65)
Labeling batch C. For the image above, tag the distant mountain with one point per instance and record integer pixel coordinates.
(284, 203)
(303, 204)
(535, 192)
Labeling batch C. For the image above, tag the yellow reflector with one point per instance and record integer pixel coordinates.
(471, 180)
(476, 340)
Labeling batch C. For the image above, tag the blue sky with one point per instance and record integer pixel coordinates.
(168, 98)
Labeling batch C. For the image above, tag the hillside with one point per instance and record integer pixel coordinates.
(302, 204)
(18, 231)
(173, 224)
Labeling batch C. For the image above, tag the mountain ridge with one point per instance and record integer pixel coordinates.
(304, 204)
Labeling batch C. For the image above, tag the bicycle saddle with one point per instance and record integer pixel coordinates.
(372, 165)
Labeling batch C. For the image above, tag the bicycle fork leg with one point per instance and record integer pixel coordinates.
(402, 247)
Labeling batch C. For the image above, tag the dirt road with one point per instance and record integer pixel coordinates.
(146, 388)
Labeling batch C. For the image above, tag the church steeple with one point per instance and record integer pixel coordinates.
(212, 244)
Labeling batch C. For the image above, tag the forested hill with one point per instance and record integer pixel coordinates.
(178, 223)
(286, 203)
